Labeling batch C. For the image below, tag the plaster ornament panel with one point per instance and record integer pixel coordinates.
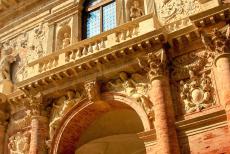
(19, 143)
(63, 31)
(135, 86)
(154, 64)
(60, 108)
(172, 10)
(197, 93)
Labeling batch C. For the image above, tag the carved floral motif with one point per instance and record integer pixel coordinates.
(19, 143)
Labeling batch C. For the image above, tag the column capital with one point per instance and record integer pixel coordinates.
(217, 42)
(92, 89)
(155, 64)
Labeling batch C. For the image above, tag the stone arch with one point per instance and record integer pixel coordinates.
(85, 112)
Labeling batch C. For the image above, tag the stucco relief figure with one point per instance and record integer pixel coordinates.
(19, 143)
(135, 10)
(7, 57)
(66, 40)
(196, 92)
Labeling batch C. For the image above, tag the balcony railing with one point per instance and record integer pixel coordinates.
(95, 45)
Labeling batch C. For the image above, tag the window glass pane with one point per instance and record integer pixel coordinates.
(109, 16)
(93, 2)
(93, 23)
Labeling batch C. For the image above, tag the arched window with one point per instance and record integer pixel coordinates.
(98, 16)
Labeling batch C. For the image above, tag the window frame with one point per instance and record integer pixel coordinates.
(99, 6)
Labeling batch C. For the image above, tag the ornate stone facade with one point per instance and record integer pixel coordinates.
(157, 82)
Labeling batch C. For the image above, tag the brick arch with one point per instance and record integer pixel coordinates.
(83, 114)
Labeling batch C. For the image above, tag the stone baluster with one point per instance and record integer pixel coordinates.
(160, 95)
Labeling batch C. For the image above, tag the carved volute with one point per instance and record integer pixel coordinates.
(92, 89)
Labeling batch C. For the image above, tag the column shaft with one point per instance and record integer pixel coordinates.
(39, 128)
(222, 76)
(164, 116)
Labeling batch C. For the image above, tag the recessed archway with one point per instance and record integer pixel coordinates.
(83, 125)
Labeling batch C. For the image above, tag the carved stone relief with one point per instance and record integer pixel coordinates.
(193, 86)
(197, 93)
(19, 143)
(172, 10)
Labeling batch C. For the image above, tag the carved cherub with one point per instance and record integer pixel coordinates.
(135, 10)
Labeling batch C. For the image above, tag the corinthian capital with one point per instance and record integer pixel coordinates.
(154, 63)
(218, 41)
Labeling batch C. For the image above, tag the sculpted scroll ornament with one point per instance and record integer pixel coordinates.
(19, 143)
(92, 90)
(197, 93)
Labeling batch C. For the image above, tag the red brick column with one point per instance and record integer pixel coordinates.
(164, 116)
(222, 76)
(39, 131)
(2, 138)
